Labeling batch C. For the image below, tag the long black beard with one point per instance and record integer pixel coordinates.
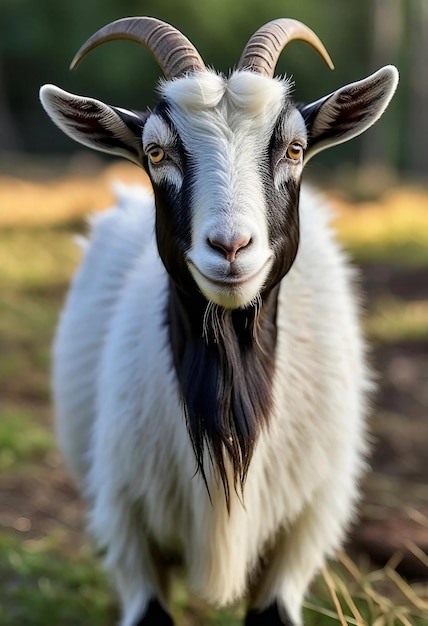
(224, 361)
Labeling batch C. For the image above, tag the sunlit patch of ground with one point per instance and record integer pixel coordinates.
(64, 200)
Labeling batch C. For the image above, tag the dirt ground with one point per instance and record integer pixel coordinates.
(394, 515)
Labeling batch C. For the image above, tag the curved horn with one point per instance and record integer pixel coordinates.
(175, 54)
(262, 51)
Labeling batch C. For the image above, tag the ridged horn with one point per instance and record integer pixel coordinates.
(262, 51)
(175, 54)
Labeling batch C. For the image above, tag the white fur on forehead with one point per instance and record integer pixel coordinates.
(246, 90)
(198, 91)
(255, 93)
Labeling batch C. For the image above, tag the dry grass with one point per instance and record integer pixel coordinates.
(401, 211)
(374, 598)
(64, 200)
(396, 226)
(392, 319)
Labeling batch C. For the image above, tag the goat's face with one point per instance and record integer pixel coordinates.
(225, 155)
(225, 158)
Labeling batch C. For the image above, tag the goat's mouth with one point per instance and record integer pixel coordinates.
(231, 291)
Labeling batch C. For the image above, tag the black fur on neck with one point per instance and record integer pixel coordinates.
(224, 361)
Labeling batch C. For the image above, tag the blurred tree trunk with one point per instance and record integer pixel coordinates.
(386, 35)
(417, 133)
(10, 138)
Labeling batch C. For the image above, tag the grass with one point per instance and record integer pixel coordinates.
(372, 597)
(392, 319)
(43, 256)
(23, 439)
(42, 587)
(394, 229)
(48, 574)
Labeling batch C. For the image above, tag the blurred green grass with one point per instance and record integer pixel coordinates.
(39, 587)
(23, 439)
(44, 579)
(391, 319)
(393, 229)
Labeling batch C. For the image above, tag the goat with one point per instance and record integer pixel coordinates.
(210, 377)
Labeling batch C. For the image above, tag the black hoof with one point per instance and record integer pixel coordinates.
(267, 617)
(155, 615)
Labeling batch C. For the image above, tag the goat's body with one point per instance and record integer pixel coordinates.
(123, 431)
(209, 377)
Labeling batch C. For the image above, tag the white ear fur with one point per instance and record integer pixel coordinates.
(93, 123)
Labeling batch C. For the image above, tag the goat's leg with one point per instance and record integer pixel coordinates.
(299, 552)
(142, 584)
(142, 588)
(141, 581)
(142, 591)
(272, 616)
(155, 615)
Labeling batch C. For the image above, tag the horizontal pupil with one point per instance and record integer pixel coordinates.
(294, 150)
(156, 154)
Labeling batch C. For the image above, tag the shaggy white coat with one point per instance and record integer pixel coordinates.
(122, 430)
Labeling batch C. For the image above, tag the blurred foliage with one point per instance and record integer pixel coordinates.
(38, 40)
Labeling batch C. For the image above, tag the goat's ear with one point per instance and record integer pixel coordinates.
(349, 111)
(95, 124)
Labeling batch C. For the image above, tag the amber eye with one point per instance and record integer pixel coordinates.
(294, 151)
(156, 154)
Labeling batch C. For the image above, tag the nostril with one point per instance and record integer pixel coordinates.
(229, 248)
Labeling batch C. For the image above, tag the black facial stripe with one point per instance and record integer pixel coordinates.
(281, 205)
(174, 225)
(173, 231)
(173, 208)
(283, 226)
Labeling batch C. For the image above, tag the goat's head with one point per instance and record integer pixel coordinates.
(225, 154)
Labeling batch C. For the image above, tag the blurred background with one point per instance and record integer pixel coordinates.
(39, 39)
(378, 187)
